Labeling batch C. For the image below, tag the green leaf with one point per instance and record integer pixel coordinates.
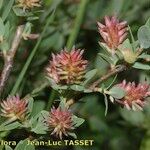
(106, 104)
(77, 87)
(77, 121)
(32, 18)
(37, 123)
(7, 9)
(106, 58)
(21, 145)
(38, 106)
(2, 28)
(117, 92)
(1, 3)
(40, 128)
(144, 36)
(144, 56)
(10, 126)
(89, 75)
(62, 103)
(105, 47)
(133, 40)
(111, 83)
(30, 104)
(125, 45)
(73, 135)
(115, 58)
(7, 147)
(7, 30)
(141, 66)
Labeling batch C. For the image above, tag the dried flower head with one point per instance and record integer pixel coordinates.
(113, 32)
(134, 95)
(28, 4)
(14, 108)
(60, 122)
(67, 67)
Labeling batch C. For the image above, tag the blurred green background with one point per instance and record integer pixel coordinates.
(120, 129)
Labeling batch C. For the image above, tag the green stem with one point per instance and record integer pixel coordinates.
(24, 70)
(77, 24)
(51, 99)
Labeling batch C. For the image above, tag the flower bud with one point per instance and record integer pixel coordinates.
(67, 67)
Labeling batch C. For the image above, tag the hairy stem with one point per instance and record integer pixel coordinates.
(77, 24)
(116, 70)
(9, 57)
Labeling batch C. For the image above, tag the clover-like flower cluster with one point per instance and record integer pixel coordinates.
(14, 108)
(67, 67)
(60, 122)
(113, 32)
(134, 95)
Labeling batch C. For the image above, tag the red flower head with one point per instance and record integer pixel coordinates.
(60, 121)
(14, 108)
(113, 32)
(67, 67)
(135, 95)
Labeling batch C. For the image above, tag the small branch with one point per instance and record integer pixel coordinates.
(116, 70)
(9, 56)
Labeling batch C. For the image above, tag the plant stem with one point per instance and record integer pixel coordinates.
(23, 71)
(116, 70)
(77, 24)
(9, 57)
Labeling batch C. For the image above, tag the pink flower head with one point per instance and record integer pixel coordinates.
(135, 95)
(60, 121)
(14, 108)
(113, 32)
(67, 67)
